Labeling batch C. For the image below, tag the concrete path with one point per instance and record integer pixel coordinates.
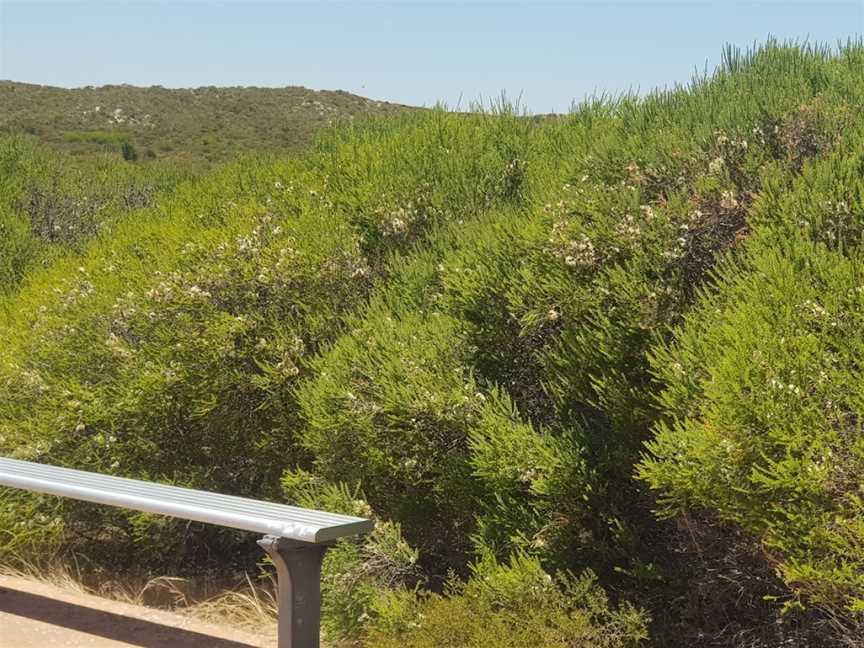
(35, 615)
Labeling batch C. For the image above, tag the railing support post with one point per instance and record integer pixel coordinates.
(298, 567)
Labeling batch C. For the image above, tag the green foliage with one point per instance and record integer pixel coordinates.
(53, 204)
(191, 126)
(551, 303)
(763, 402)
(524, 475)
(357, 571)
(200, 313)
(199, 327)
(128, 152)
(477, 321)
(107, 140)
(399, 179)
(391, 410)
(17, 248)
(508, 605)
(761, 397)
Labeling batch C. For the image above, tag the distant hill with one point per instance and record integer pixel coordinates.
(196, 125)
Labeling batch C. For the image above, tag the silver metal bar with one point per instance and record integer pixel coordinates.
(131, 486)
(296, 538)
(269, 518)
(298, 567)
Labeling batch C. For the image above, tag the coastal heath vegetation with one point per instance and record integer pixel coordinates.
(594, 376)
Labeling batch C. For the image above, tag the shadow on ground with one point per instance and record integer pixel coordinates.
(108, 625)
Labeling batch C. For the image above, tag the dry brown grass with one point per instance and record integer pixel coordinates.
(239, 601)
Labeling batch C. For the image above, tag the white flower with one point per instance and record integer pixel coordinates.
(728, 200)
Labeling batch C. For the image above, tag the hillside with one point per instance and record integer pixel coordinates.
(598, 379)
(197, 125)
(53, 202)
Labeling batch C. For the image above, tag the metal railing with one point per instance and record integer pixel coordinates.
(296, 539)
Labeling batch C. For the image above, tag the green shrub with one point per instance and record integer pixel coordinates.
(551, 304)
(763, 399)
(390, 409)
(356, 571)
(199, 327)
(190, 325)
(398, 179)
(514, 605)
(760, 397)
(58, 203)
(128, 151)
(17, 249)
(533, 487)
(470, 318)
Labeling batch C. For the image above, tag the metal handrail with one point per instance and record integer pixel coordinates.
(295, 538)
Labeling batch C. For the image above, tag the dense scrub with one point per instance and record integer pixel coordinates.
(512, 605)
(190, 126)
(513, 342)
(762, 388)
(51, 204)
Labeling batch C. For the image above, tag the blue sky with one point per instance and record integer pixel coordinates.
(410, 52)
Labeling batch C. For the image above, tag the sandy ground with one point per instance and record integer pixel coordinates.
(36, 615)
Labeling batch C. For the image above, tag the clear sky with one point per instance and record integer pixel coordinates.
(410, 52)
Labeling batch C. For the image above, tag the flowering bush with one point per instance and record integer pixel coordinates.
(761, 397)
(199, 329)
(391, 408)
(478, 321)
